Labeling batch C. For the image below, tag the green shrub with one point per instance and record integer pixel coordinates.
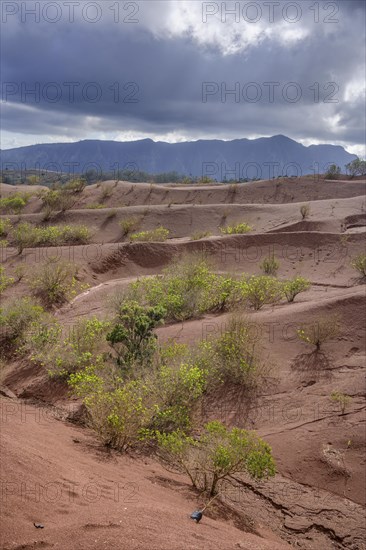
(342, 399)
(132, 338)
(359, 263)
(16, 317)
(305, 211)
(270, 265)
(155, 235)
(293, 287)
(176, 392)
(56, 200)
(117, 415)
(217, 455)
(54, 283)
(236, 229)
(319, 331)
(128, 225)
(258, 291)
(182, 290)
(80, 347)
(5, 227)
(25, 235)
(5, 281)
(76, 185)
(14, 204)
(232, 357)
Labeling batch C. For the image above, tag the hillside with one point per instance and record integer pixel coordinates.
(58, 474)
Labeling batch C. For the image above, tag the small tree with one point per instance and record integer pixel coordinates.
(356, 167)
(333, 172)
(132, 338)
(292, 288)
(217, 455)
(320, 331)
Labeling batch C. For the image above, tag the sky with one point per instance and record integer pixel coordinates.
(183, 70)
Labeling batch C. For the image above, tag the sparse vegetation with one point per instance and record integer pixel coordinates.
(359, 263)
(13, 204)
(292, 288)
(76, 185)
(270, 265)
(5, 227)
(16, 316)
(320, 331)
(5, 281)
(200, 235)
(239, 228)
(54, 283)
(305, 211)
(155, 235)
(128, 225)
(259, 291)
(342, 399)
(26, 235)
(232, 357)
(216, 455)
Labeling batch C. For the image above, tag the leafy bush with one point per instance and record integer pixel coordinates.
(258, 291)
(176, 392)
(55, 283)
(305, 211)
(270, 265)
(117, 415)
(5, 227)
(76, 185)
(232, 358)
(128, 225)
(342, 399)
(217, 455)
(56, 200)
(26, 235)
(79, 348)
(320, 331)
(183, 289)
(293, 287)
(16, 317)
(236, 229)
(155, 235)
(5, 281)
(359, 263)
(132, 338)
(14, 204)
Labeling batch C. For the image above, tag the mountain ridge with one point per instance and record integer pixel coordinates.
(261, 158)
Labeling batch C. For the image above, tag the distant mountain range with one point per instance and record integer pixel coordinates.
(241, 158)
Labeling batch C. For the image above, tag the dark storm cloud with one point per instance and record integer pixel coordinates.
(148, 78)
